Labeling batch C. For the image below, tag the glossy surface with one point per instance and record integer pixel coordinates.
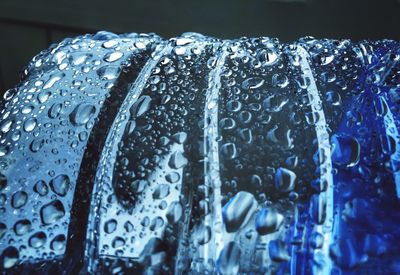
(134, 154)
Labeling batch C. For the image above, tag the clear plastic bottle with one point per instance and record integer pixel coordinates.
(133, 154)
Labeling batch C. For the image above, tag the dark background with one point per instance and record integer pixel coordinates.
(28, 26)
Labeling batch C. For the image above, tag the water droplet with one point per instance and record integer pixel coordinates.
(141, 106)
(285, 179)
(60, 185)
(237, 212)
(345, 150)
(6, 126)
(52, 212)
(113, 56)
(179, 138)
(55, 110)
(268, 220)
(58, 242)
(275, 103)
(110, 226)
(128, 226)
(82, 113)
(19, 199)
(27, 109)
(10, 257)
(30, 124)
(278, 251)
(174, 212)
(180, 50)
(182, 41)
(267, 56)
(161, 192)
(118, 242)
(22, 227)
(173, 177)
(233, 106)
(228, 150)
(37, 240)
(229, 259)
(110, 44)
(43, 97)
(316, 240)
(36, 144)
(108, 72)
(177, 160)
(3, 182)
(252, 83)
(203, 234)
(53, 80)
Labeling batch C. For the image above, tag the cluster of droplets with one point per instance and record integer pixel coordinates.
(242, 156)
(45, 125)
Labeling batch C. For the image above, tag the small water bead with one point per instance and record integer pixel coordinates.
(6, 126)
(180, 50)
(182, 41)
(140, 45)
(128, 226)
(227, 123)
(345, 150)
(252, 83)
(44, 96)
(141, 106)
(173, 177)
(36, 144)
(58, 242)
(4, 150)
(238, 211)
(52, 212)
(27, 109)
(108, 72)
(161, 191)
(318, 208)
(285, 179)
(316, 240)
(177, 160)
(30, 124)
(229, 259)
(278, 251)
(78, 58)
(55, 110)
(82, 113)
(179, 138)
(110, 226)
(267, 57)
(268, 220)
(19, 199)
(228, 150)
(22, 227)
(37, 240)
(275, 103)
(175, 212)
(280, 81)
(110, 44)
(118, 242)
(60, 185)
(53, 80)
(113, 56)
(3, 182)
(10, 257)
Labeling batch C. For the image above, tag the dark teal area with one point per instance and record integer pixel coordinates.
(27, 27)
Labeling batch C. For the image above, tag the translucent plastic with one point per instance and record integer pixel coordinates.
(132, 154)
